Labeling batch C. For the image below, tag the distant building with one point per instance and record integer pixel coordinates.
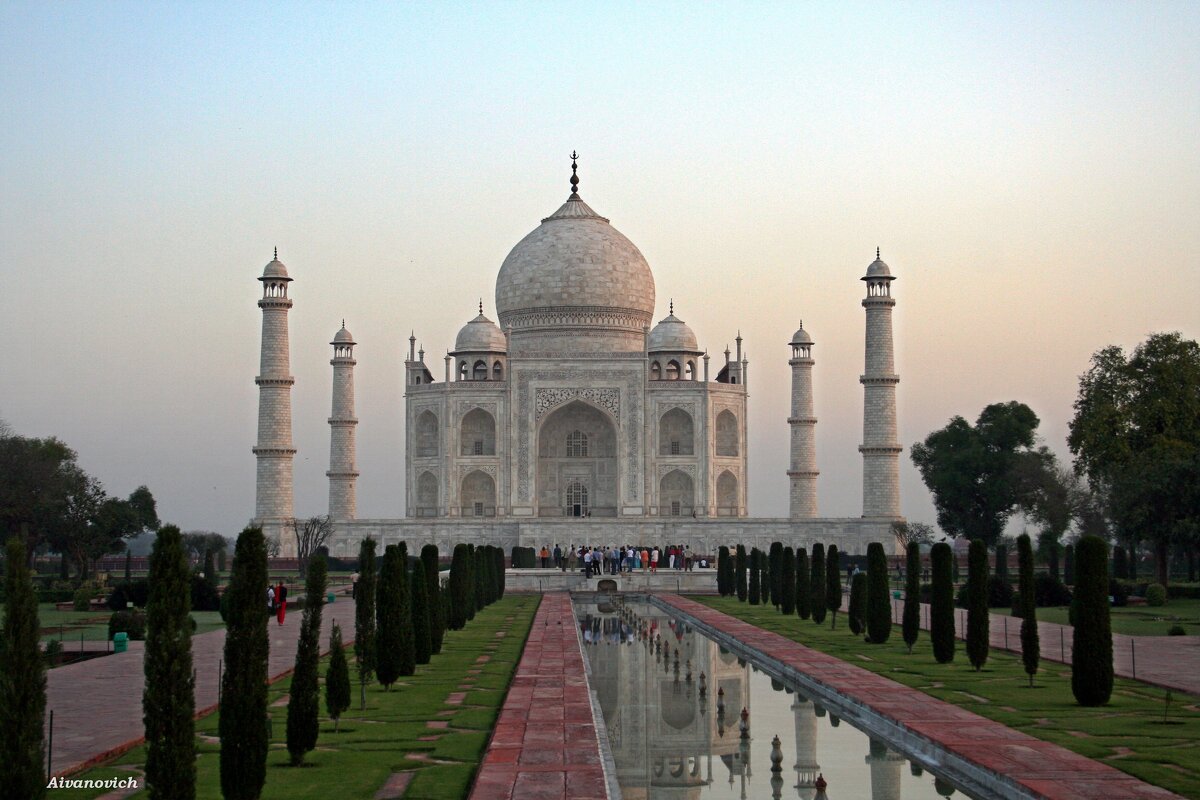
(574, 420)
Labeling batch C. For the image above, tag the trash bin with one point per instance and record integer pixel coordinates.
(329, 598)
(120, 642)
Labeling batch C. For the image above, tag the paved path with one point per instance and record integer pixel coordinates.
(97, 703)
(1046, 769)
(1172, 662)
(547, 751)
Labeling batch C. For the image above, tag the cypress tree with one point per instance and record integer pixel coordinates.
(210, 568)
(1002, 561)
(459, 586)
(388, 606)
(22, 682)
(128, 566)
(1052, 560)
(304, 701)
(433, 598)
(730, 580)
(941, 603)
(816, 584)
(337, 678)
(365, 646)
(422, 640)
(912, 596)
(775, 564)
(407, 642)
(787, 582)
(498, 572)
(855, 614)
(803, 588)
(1069, 565)
(243, 721)
(977, 604)
(168, 699)
(476, 589)
(1030, 644)
(722, 556)
(1120, 562)
(1091, 655)
(764, 580)
(833, 584)
(879, 605)
(740, 569)
(755, 577)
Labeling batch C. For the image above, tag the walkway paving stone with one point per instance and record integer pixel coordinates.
(97, 703)
(1050, 771)
(546, 749)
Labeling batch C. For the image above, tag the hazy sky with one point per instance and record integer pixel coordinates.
(1031, 172)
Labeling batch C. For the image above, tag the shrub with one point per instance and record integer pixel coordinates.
(304, 703)
(1091, 656)
(977, 604)
(803, 589)
(1156, 595)
(1002, 563)
(1069, 565)
(1119, 592)
(739, 568)
(337, 678)
(82, 599)
(433, 597)
(879, 604)
(131, 622)
(365, 648)
(1030, 643)
(421, 626)
(205, 596)
(1176, 630)
(911, 623)
(787, 581)
(117, 599)
(722, 582)
(941, 611)
(816, 584)
(856, 613)
(1050, 591)
(22, 682)
(1120, 563)
(775, 572)
(833, 584)
(1000, 594)
(755, 577)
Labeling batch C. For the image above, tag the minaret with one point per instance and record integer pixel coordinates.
(885, 771)
(880, 448)
(806, 766)
(342, 472)
(803, 472)
(273, 504)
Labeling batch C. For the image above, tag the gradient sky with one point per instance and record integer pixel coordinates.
(1031, 172)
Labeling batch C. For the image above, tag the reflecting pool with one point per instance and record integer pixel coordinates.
(673, 703)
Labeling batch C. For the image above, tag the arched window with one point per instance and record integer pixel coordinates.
(427, 495)
(462, 370)
(576, 500)
(427, 434)
(577, 445)
(479, 371)
(655, 372)
(727, 434)
(497, 372)
(672, 370)
(689, 372)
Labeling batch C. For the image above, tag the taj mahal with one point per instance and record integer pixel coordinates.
(575, 417)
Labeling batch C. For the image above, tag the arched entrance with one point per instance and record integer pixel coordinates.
(577, 463)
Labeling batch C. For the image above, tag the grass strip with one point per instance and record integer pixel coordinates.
(387, 736)
(1137, 732)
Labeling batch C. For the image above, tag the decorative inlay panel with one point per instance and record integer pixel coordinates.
(466, 469)
(608, 399)
(686, 469)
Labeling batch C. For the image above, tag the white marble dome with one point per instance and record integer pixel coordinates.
(672, 335)
(343, 336)
(878, 269)
(480, 335)
(275, 271)
(575, 269)
(801, 336)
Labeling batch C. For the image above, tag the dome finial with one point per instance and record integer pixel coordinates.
(481, 305)
(276, 253)
(343, 323)
(876, 253)
(574, 176)
(672, 306)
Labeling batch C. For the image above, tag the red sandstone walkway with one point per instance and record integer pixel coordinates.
(546, 750)
(97, 704)
(1172, 662)
(1046, 769)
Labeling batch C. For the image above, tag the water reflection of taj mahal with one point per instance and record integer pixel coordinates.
(672, 702)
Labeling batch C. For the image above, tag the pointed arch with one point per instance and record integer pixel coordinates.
(727, 495)
(478, 434)
(427, 495)
(478, 494)
(727, 438)
(676, 433)
(427, 434)
(676, 494)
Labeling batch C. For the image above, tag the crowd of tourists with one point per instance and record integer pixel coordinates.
(613, 560)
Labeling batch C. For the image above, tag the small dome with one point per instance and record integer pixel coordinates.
(480, 335)
(878, 269)
(275, 270)
(801, 336)
(674, 335)
(343, 336)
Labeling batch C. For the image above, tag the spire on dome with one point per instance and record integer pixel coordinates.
(276, 253)
(574, 176)
(672, 306)
(876, 252)
(481, 305)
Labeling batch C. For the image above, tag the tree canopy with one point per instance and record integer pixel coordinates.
(1136, 435)
(978, 474)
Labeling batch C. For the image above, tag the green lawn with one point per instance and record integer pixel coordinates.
(67, 625)
(1137, 620)
(385, 738)
(1129, 733)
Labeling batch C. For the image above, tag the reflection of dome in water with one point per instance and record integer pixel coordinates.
(678, 709)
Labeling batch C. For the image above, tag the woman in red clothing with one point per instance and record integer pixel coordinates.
(280, 602)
